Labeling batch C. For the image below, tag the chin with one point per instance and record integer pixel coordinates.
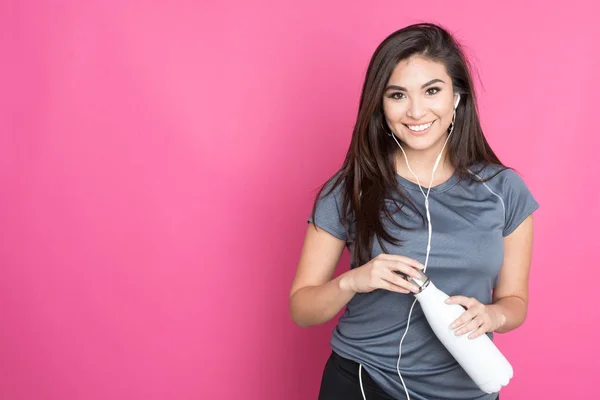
(420, 142)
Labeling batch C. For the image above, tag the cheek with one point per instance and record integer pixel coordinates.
(443, 109)
(443, 112)
(394, 112)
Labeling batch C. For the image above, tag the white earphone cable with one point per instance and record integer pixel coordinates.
(360, 380)
(428, 246)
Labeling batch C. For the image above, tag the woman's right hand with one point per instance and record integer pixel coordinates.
(379, 273)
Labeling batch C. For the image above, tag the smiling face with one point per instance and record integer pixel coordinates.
(418, 104)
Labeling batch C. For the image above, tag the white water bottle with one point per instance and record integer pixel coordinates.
(479, 357)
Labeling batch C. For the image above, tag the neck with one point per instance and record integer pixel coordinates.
(422, 162)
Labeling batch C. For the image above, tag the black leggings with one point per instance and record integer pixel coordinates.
(341, 382)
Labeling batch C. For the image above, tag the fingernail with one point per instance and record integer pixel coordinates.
(415, 288)
(447, 301)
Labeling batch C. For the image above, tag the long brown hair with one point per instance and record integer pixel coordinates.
(368, 173)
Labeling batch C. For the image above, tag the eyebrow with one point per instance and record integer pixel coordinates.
(431, 82)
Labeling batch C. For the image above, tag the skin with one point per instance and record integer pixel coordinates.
(426, 95)
(315, 297)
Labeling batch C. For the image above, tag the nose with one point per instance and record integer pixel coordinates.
(416, 109)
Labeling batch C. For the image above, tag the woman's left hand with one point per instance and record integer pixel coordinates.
(483, 318)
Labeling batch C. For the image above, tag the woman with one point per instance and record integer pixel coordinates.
(417, 106)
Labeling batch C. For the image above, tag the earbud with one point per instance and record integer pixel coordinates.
(457, 101)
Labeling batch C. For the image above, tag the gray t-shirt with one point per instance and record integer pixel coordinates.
(469, 222)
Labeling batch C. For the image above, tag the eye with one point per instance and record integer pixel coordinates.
(433, 90)
(395, 95)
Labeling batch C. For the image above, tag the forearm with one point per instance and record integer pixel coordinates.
(512, 310)
(315, 305)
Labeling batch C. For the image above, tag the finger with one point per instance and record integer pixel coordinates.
(480, 331)
(464, 318)
(471, 326)
(397, 280)
(393, 288)
(400, 267)
(402, 259)
(462, 300)
(400, 282)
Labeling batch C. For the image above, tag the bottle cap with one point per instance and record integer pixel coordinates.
(421, 282)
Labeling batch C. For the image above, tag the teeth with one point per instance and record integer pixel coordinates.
(418, 128)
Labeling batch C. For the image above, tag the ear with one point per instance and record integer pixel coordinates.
(457, 100)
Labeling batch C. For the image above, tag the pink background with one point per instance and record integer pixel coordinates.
(158, 163)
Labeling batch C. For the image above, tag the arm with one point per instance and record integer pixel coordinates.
(314, 297)
(511, 294)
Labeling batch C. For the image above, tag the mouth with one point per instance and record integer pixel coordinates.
(419, 130)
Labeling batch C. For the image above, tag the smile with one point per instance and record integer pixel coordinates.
(419, 128)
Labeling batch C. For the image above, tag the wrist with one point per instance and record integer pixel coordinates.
(345, 283)
(498, 316)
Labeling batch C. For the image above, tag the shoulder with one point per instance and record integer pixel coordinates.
(327, 208)
(517, 199)
(486, 171)
(498, 176)
(332, 188)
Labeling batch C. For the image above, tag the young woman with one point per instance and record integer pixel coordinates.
(417, 107)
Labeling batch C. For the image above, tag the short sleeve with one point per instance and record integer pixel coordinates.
(519, 202)
(327, 212)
